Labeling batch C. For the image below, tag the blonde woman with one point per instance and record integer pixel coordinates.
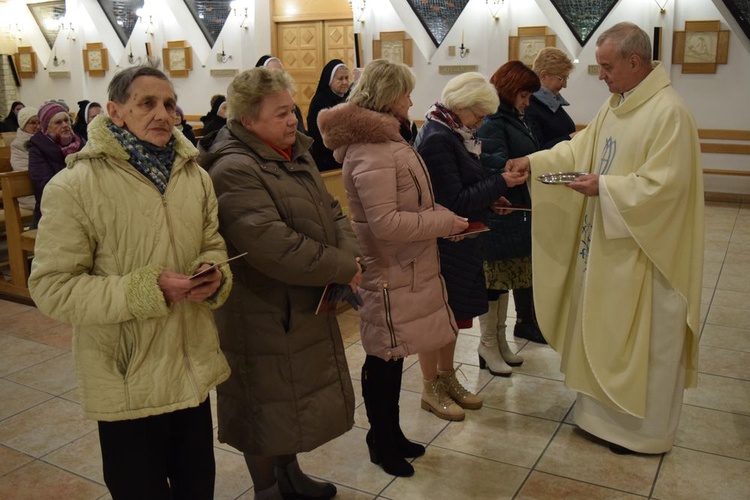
(397, 222)
(546, 113)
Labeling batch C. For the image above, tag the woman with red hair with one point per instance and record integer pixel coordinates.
(507, 247)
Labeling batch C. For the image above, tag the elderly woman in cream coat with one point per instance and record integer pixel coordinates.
(397, 221)
(290, 390)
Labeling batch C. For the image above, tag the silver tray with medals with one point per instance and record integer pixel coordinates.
(559, 177)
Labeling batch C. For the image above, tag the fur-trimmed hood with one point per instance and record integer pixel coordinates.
(102, 143)
(347, 124)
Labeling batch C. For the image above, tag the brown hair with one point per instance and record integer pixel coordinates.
(512, 78)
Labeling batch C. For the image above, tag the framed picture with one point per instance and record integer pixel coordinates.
(95, 59)
(393, 46)
(528, 43)
(178, 59)
(26, 62)
(701, 47)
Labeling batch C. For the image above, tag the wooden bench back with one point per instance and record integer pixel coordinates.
(20, 242)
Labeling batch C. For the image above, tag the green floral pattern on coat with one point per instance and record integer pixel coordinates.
(508, 274)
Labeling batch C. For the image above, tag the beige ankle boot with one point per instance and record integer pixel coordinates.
(511, 358)
(459, 393)
(488, 350)
(436, 399)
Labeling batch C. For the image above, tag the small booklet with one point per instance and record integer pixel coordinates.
(326, 304)
(474, 229)
(209, 269)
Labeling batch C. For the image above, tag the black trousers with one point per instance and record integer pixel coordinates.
(164, 457)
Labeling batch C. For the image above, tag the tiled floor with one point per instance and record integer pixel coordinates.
(520, 445)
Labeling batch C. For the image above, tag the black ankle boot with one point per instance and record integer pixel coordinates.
(388, 458)
(529, 331)
(295, 484)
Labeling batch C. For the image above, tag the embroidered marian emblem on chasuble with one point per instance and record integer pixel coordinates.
(605, 163)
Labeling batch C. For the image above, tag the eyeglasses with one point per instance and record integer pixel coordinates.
(563, 79)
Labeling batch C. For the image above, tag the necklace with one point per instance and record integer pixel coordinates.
(662, 8)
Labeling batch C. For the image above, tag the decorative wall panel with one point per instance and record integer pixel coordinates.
(438, 16)
(740, 10)
(210, 16)
(121, 15)
(583, 16)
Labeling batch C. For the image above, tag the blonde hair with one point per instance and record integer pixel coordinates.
(554, 61)
(470, 90)
(249, 88)
(381, 84)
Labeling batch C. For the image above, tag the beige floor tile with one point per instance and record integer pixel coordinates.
(729, 316)
(737, 269)
(349, 325)
(710, 279)
(11, 460)
(707, 295)
(448, 475)
(345, 460)
(28, 322)
(713, 256)
(729, 298)
(738, 257)
(499, 435)
(8, 308)
(17, 398)
(72, 395)
(466, 350)
(726, 337)
(720, 393)
(355, 358)
(716, 246)
(713, 268)
(18, 354)
(717, 234)
(45, 427)
(533, 396)
(574, 456)
(738, 247)
(411, 380)
(729, 282)
(40, 480)
(541, 486)
(690, 475)
(55, 376)
(725, 362)
(57, 336)
(82, 456)
(540, 361)
(713, 431)
(232, 476)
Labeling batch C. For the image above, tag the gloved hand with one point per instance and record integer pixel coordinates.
(344, 292)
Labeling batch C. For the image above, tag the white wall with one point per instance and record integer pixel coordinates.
(717, 100)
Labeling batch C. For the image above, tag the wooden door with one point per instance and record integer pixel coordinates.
(305, 47)
(300, 47)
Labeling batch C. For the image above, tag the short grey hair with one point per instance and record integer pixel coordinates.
(470, 90)
(249, 88)
(119, 87)
(381, 84)
(630, 39)
(554, 61)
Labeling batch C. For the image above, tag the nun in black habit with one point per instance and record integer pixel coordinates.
(333, 89)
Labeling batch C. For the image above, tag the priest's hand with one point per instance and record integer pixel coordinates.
(586, 184)
(519, 165)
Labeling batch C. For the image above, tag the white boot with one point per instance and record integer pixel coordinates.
(488, 350)
(507, 353)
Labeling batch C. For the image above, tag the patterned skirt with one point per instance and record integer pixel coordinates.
(508, 274)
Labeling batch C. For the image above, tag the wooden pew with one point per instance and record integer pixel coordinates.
(20, 241)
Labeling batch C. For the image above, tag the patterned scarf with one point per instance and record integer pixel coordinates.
(154, 162)
(441, 114)
(73, 146)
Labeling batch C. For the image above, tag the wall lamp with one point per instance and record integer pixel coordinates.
(142, 14)
(358, 10)
(494, 8)
(240, 6)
